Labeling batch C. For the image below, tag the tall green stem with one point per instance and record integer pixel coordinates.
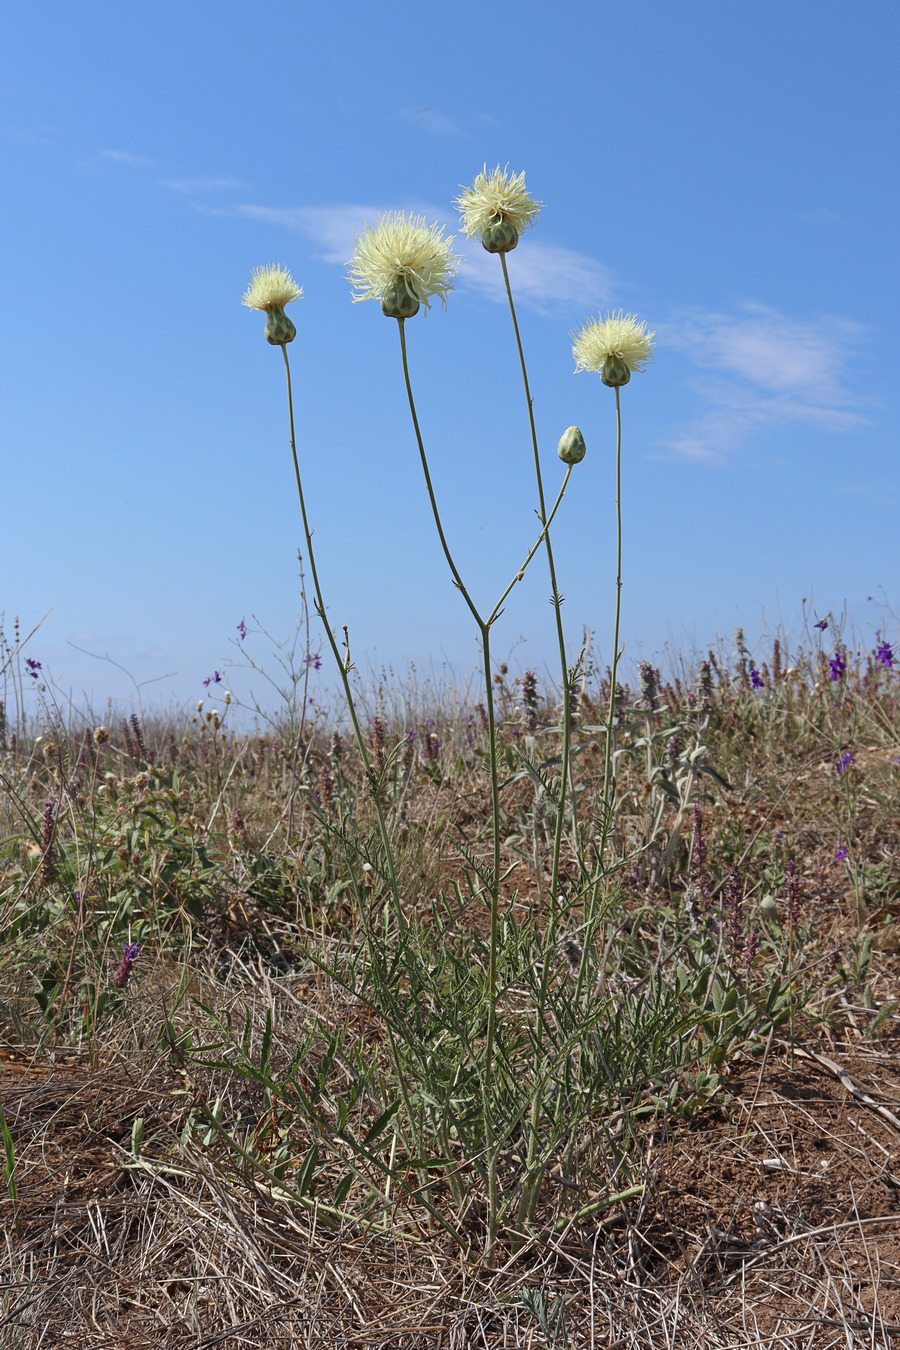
(609, 779)
(609, 782)
(556, 600)
(484, 628)
(341, 664)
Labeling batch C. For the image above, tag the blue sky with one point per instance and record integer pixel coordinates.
(727, 172)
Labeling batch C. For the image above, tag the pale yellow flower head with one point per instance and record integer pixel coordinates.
(496, 198)
(405, 254)
(614, 346)
(271, 287)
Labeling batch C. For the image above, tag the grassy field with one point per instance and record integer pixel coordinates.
(277, 1071)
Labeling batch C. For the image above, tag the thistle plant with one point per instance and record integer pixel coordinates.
(404, 262)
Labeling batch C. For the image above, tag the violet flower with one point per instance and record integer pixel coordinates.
(130, 953)
(838, 666)
(885, 655)
(756, 679)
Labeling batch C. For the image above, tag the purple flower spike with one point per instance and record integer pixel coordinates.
(838, 666)
(885, 655)
(821, 625)
(841, 854)
(756, 679)
(846, 759)
(130, 953)
(242, 630)
(33, 667)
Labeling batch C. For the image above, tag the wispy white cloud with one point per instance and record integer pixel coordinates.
(332, 228)
(433, 121)
(546, 277)
(190, 186)
(125, 157)
(772, 368)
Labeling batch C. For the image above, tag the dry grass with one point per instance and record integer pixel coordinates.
(763, 1206)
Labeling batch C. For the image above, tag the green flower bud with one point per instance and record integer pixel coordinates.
(614, 371)
(398, 301)
(279, 328)
(500, 237)
(572, 448)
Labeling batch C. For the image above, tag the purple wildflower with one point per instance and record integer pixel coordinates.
(242, 630)
(698, 857)
(530, 700)
(48, 853)
(885, 655)
(841, 854)
(734, 912)
(130, 954)
(838, 666)
(431, 745)
(756, 679)
(409, 750)
(846, 759)
(792, 893)
(214, 678)
(821, 625)
(751, 947)
(315, 660)
(33, 667)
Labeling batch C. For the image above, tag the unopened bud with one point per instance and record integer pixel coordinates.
(100, 735)
(501, 237)
(398, 301)
(572, 448)
(279, 328)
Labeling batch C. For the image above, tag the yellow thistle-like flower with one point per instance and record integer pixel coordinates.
(614, 346)
(270, 289)
(402, 262)
(497, 207)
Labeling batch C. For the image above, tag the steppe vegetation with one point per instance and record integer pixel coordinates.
(562, 1013)
(267, 1126)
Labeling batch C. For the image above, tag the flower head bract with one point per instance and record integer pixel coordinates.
(406, 250)
(618, 336)
(494, 198)
(271, 287)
